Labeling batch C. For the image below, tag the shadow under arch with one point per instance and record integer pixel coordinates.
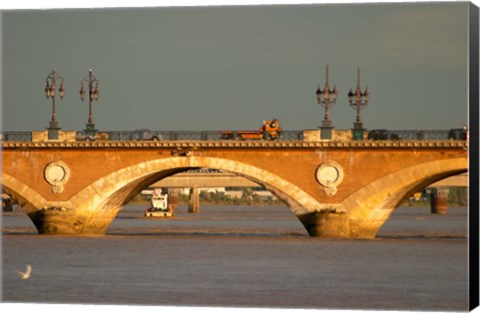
(372, 205)
(27, 198)
(101, 200)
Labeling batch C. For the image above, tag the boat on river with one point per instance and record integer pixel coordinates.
(158, 205)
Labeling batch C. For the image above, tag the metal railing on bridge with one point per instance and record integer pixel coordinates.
(186, 135)
(16, 136)
(421, 134)
(291, 135)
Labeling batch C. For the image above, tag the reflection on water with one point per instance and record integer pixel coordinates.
(243, 257)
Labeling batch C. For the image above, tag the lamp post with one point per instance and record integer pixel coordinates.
(358, 100)
(93, 94)
(50, 92)
(326, 97)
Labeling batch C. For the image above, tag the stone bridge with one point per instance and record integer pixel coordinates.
(340, 189)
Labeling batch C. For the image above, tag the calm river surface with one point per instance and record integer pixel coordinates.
(242, 257)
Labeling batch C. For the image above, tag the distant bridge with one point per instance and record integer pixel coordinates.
(216, 179)
(453, 181)
(205, 179)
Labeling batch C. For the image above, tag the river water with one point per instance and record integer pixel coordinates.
(242, 257)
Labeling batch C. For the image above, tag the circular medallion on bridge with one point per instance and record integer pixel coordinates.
(329, 175)
(57, 174)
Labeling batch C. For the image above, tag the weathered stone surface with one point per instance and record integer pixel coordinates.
(194, 201)
(62, 221)
(327, 224)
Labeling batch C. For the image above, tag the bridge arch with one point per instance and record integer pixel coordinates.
(28, 199)
(100, 202)
(371, 206)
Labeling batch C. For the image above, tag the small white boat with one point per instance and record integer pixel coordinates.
(158, 205)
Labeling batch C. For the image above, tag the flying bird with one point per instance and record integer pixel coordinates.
(26, 274)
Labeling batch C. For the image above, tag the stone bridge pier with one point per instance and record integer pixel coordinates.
(336, 189)
(194, 200)
(438, 200)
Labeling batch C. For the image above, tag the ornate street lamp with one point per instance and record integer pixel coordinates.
(326, 97)
(50, 92)
(93, 94)
(358, 100)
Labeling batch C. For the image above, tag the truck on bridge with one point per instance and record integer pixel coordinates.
(270, 129)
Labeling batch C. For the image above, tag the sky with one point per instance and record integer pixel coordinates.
(231, 67)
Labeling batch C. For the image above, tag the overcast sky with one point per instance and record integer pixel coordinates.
(223, 67)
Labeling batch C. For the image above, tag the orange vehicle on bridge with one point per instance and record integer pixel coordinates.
(270, 129)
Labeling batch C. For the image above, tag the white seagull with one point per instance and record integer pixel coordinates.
(27, 273)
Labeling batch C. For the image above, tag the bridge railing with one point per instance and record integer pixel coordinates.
(421, 134)
(16, 136)
(292, 135)
(165, 135)
(190, 135)
(285, 135)
(187, 135)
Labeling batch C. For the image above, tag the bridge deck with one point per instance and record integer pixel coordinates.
(238, 144)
